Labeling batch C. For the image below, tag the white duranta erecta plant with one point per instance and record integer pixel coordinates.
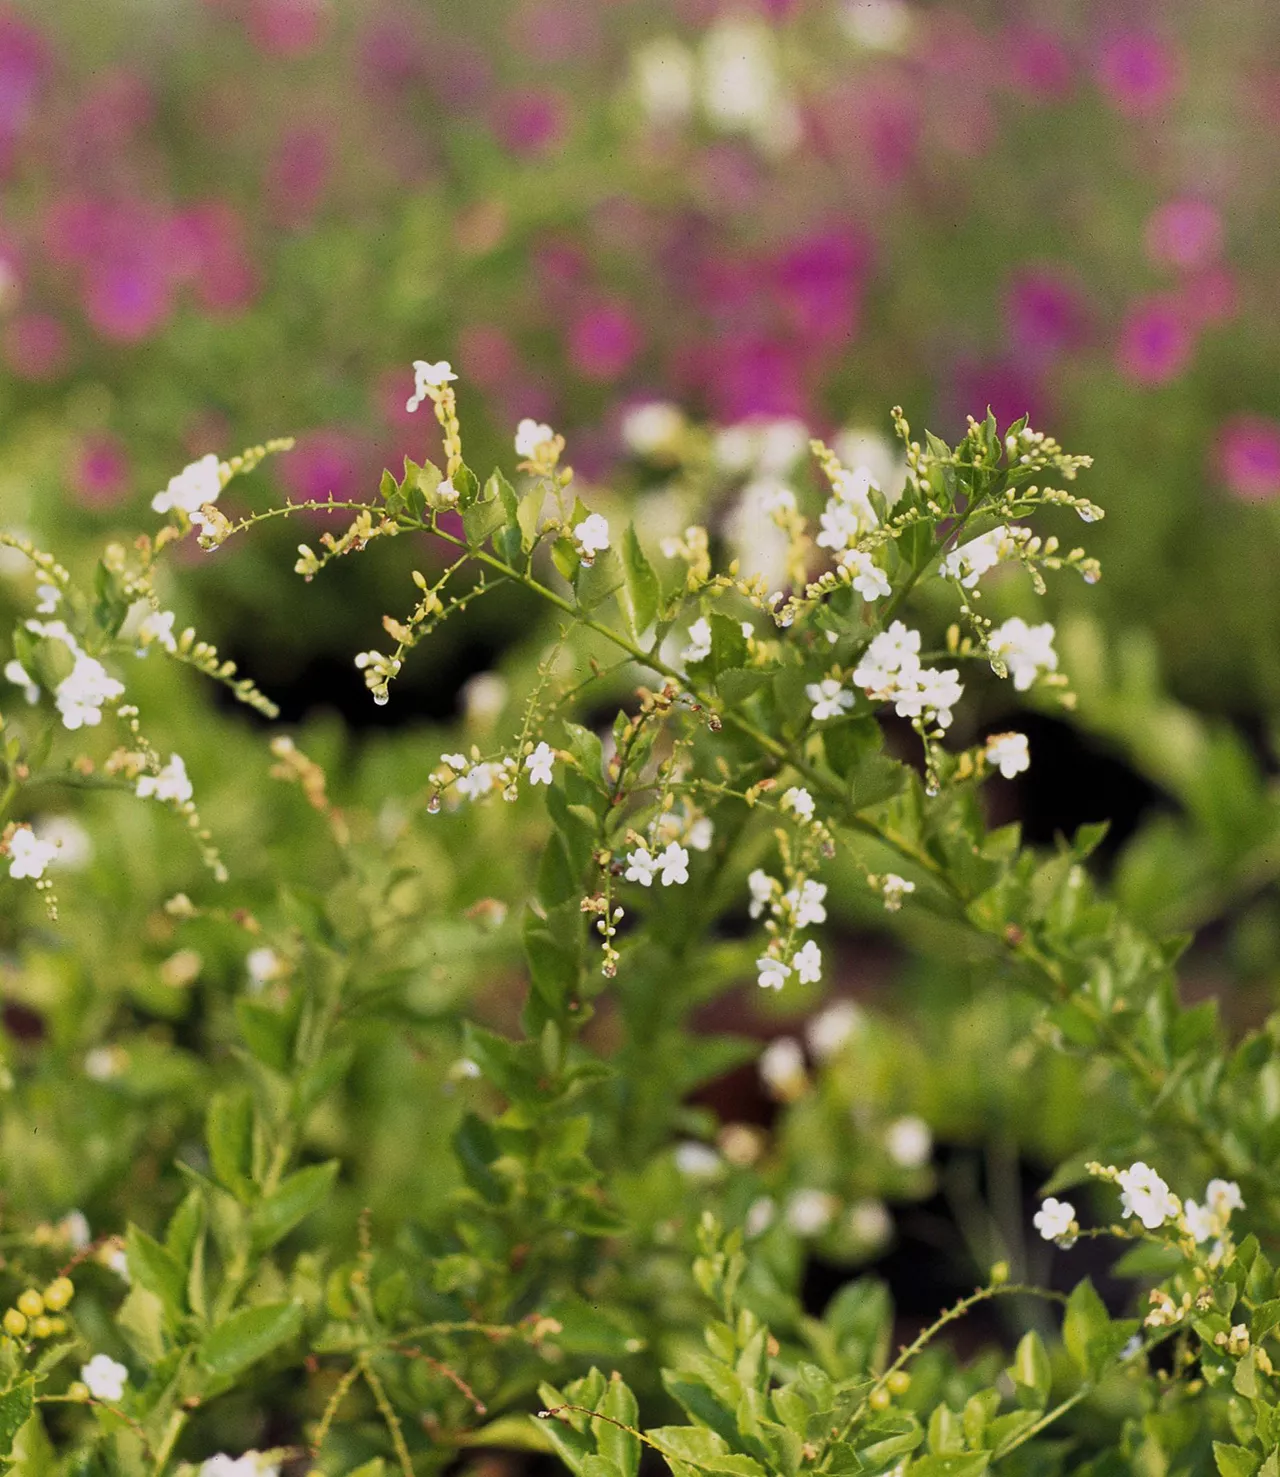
(703, 838)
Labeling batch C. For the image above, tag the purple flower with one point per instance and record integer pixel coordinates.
(288, 27)
(325, 461)
(1156, 342)
(36, 346)
(1248, 457)
(1040, 65)
(1011, 390)
(128, 293)
(1138, 73)
(819, 282)
(747, 374)
(100, 471)
(298, 173)
(1210, 297)
(603, 341)
(532, 121)
(1045, 314)
(1185, 233)
(24, 63)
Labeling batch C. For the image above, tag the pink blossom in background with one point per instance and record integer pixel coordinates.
(603, 341)
(550, 31)
(876, 125)
(1248, 457)
(1139, 74)
(100, 470)
(489, 355)
(560, 269)
(729, 177)
(819, 282)
(117, 107)
(1210, 297)
(325, 461)
(36, 346)
(746, 374)
(393, 51)
(128, 291)
(1045, 313)
(208, 246)
(298, 173)
(24, 64)
(73, 229)
(1185, 233)
(532, 121)
(1040, 66)
(289, 28)
(460, 73)
(1156, 342)
(1011, 391)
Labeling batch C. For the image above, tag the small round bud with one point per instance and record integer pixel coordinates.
(77, 1390)
(31, 1303)
(898, 1383)
(59, 1325)
(15, 1323)
(42, 1327)
(879, 1399)
(59, 1293)
(999, 1274)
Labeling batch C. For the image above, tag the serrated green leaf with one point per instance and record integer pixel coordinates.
(304, 1191)
(15, 1406)
(247, 1336)
(158, 1270)
(1234, 1461)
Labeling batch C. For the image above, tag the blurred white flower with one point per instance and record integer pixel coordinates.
(653, 428)
(870, 1222)
(808, 964)
(28, 855)
(1009, 753)
(810, 1212)
(104, 1378)
(171, 784)
(1025, 650)
(698, 1161)
(699, 647)
(191, 488)
(782, 1068)
(909, 1141)
(831, 1028)
(530, 435)
(664, 77)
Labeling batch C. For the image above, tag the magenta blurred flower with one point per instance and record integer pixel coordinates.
(550, 31)
(532, 120)
(1248, 457)
(392, 50)
(100, 470)
(289, 27)
(207, 248)
(112, 113)
(819, 281)
(298, 173)
(747, 374)
(1011, 391)
(24, 63)
(1186, 233)
(1156, 341)
(325, 461)
(1045, 313)
(1039, 63)
(1138, 72)
(1210, 297)
(73, 229)
(128, 293)
(879, 123)
(489, 355)
(36, 346)
(604, 340)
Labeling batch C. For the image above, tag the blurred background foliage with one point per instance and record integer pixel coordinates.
(224, 220)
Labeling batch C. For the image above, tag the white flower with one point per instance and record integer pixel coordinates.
(699, 647)
(663, 74)
(760, 1216)
(870, 1222)
(1199, 1220)
(808, 964)
(840, 525)
(697, 1161)
(892, 658)
(1146, 1195)
(879, 25)
(48, 597)
(541, 764)
(762, 886)
(809, 1212)
(652, 428)
(80, 695)
(477, 781)
(1025, 650)
(75, 846)
(426, 377)
(250, 1464)
(157, 626)
(807, 903)
(15, 672)
(701, 834)
(754, 532)
(1009, 753)
(115, 1258)
(191, 488)
(456, 762)
(641, 865)
(75, 1229)
(673, 864)
(894, 889)
(781, 1068)
(105, 1378)
(929, 694)
(800, 802)
(484, 697)
(28, 855)
(828, 1031)
(1223, 1196)
(262, 966)
(829, 698)
(870, 581)
(909, 1141)
(171, 784)
(532, 434)
(1055, 1220)
(852, 489)
(592, 536)
(971, 561)
(772, 973)
(735, 448)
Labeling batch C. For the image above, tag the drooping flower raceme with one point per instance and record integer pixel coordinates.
(1145, 1194)
(191, 488)
(1026, 651)
(892, 658)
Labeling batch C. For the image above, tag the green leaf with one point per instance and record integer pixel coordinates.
(970, 1465)
(595, 582)
(15, 1406)
(615, 1445)
(274, 1217)
(1265, 1317)
(141, 1320)
(481, 518)
(267, 1032)
(728, 644)
(1234, 1461)
(1085, 1323)
(248, 1336)
(467, 485)
(229, 1131)
(704, 1449)
(641, 592)
(158, 1270)
(1030, 1371)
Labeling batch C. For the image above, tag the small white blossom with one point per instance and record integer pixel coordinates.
(157, 626)
(894, 889)
(810, 1212)
(1199, 1220)
(47, 597)
(102, 1063)
(930, 694)
(15, 672)
(427, 376)
(478, 781)
(641, 865)
(1009, 753)
(532, 434)
(701, 834)
(697, 1161)
(191, 488)
(808, 964)
(1054, 1221)
(262, 966)
(772, 973)
(870, 1222)
(1223, 1196)
(829, 698)
(853, 489)
(484, 697)
(800, 802)
(652, 428)
(869, 580)
(1145, 1194)
(80, 696)
(760, 1216)
(251, 1464)
(1026, 651)
(171, 784)
(762, 886)
(971, 561)
(456, 762)
(909, 1141)
(673, 863)
(541, 764)
(840, 525)
(807, 903)
(782, 1068)
(664, 76)
(592, 536)
(104, 1377)
(75, 1229)
(116, 1260)
(28, 855)
(699, 647)
(892, 659)
(831, 1028)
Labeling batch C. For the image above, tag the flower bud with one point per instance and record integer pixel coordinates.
(31, 1303)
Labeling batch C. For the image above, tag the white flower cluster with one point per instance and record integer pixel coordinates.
(1204, 1222)
(530, 435)
(849, 511)
(428, 377)
(475, 778)
(791, 909)
(1146, 1195)
(684, 824)
(969, 562)
(1024, 651)
(156, 628)
(29, 855)
(591, 537)
(670, 866)
(251, 1464)
(190, 489)
(1008, 752)
(83, 692)
(890, 670)
(170, 785)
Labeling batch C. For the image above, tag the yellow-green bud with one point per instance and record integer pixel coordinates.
(59, 1293)
(31, 1303)
(15, 1323)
